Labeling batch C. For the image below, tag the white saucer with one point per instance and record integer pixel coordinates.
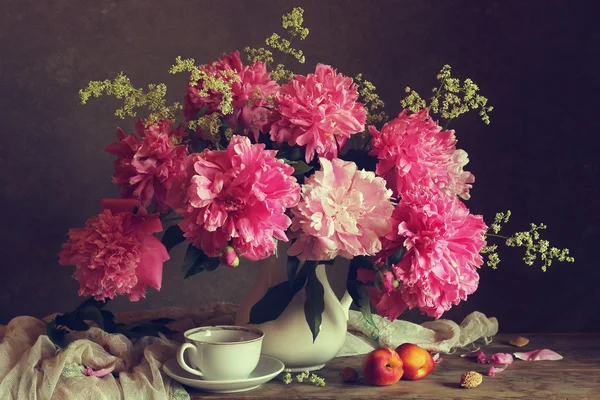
(267, 369)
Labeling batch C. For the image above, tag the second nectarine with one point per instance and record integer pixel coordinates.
(417, 362)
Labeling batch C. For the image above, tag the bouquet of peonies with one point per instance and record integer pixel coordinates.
(257, 154)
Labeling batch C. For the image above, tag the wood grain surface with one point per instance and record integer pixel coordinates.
(577, 376)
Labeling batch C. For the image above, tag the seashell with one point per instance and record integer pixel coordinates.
(519, 341)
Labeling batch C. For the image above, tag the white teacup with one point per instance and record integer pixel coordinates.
(221, 352)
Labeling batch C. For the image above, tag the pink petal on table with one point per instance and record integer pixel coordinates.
(494, 370)
(501, 359)
(478, 354)
(100, 373)
(538, 355)
(437, 359)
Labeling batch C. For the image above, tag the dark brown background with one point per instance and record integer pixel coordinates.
(535, 60)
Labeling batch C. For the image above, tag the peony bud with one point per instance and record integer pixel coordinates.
(385, 281)
(229, 257)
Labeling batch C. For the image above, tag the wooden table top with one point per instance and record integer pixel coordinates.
(576, 376)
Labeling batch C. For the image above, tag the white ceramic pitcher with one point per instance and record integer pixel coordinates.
(288, 338)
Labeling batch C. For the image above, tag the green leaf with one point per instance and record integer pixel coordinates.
(365, 304)
(195, 261)
(292, 267)
(172, 237)
(162, 320)
(92, 302)
(57, 336)
(109, 321)
(396, 257)
(291, 153)
(358, 290)
(300, 168)
(275, 301)
(199, 145)
(147, 329)
(352, 282)
(200, 113)
(92, 314)
(72, 321)
(314, 304)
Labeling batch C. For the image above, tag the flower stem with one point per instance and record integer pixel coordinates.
(367, 141)
(498, 236)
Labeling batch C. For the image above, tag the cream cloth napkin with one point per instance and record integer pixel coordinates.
(441, 336)
(33, 368)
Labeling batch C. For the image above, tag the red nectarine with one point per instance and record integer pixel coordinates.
(417, 362)
(382, 367)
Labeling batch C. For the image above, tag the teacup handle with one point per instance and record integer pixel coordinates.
(181, 359)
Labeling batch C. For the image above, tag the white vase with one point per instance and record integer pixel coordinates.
(288, 338)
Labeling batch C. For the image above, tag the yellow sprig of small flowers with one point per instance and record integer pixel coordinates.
(531, 240)
(292, 23)
(451, 98)
(133, 98)
(220, 83)
(286, 378)
(209, 125)
(412, 101)
(373, 102)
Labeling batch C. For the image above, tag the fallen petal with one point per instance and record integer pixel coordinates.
(478, 354)
(100, 373)
(494, 370)
(437, 359)
(538, 355)
(501, 358)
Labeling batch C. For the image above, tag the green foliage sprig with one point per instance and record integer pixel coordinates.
(286, 378)
(133, 98)
(292, 23)
(451, 98)
(373, 103)
(531, 240)
(220, 83)
(91, 310)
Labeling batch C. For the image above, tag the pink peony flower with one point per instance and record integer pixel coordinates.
(318, 111)
(239, 194)
(146, 166)
(460, 181)
(252, 94)
(343, 212)
(414, 152)
(115, 253)
(390, 304)
(443, 241)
